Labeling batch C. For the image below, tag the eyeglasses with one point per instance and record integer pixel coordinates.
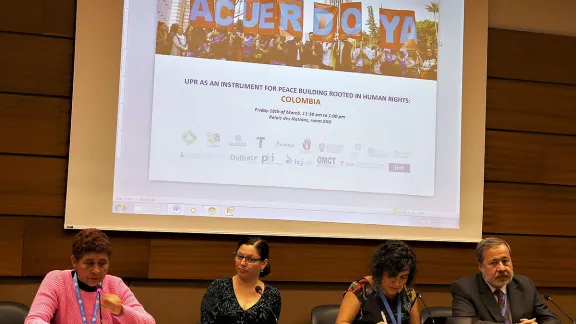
(239, 257)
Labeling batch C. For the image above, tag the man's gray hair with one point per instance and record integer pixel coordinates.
(489, 242)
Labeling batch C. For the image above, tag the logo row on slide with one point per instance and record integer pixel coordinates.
(306, 146)
(320, 161)
(296, 160)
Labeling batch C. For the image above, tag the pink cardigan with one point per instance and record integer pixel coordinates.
(56, 303)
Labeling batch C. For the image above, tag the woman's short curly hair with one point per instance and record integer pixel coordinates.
(91, 240)
(392, 257)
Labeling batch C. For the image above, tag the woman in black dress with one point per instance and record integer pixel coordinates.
(384, 296)
(243, 298)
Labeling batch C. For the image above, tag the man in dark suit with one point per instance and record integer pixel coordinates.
(495, 294)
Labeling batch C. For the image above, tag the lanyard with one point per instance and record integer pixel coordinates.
(81, 303)
(389, 310)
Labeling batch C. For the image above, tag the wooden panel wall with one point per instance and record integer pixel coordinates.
(530, 187)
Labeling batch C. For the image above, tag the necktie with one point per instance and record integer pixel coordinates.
(502, 303)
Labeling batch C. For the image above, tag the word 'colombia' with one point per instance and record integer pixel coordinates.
(286, 18)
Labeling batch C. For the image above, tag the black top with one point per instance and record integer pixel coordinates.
(220, 306)
(372, 308)
(84, 286)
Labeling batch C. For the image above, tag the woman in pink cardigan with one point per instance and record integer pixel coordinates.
(87, 294)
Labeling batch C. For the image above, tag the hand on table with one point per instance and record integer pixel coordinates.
(528, 321)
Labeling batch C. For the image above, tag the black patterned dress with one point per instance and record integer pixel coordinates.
(220, 306)
(372, 308)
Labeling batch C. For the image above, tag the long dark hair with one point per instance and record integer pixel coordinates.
(263, 249)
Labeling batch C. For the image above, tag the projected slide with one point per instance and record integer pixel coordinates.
(246, 101)
(298, 110)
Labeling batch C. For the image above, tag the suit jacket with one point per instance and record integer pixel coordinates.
(473, 297)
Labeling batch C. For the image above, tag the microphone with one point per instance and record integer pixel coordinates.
(549, 298)
(419, 296)
(259, 291)
(99, 291)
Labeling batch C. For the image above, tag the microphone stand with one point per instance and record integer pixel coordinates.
(549, 298)
(419, 295)
(259, 291)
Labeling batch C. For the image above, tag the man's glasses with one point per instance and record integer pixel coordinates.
(239, 257)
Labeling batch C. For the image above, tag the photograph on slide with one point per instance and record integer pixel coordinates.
(392, 38)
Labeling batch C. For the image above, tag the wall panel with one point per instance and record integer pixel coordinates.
(43, 17)
(32, 185)
(34, 125)
(11, 240)
(36, 65)
(525, 56)
(530, 106)
(530, 158)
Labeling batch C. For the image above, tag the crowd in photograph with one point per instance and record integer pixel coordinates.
(347, 55)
